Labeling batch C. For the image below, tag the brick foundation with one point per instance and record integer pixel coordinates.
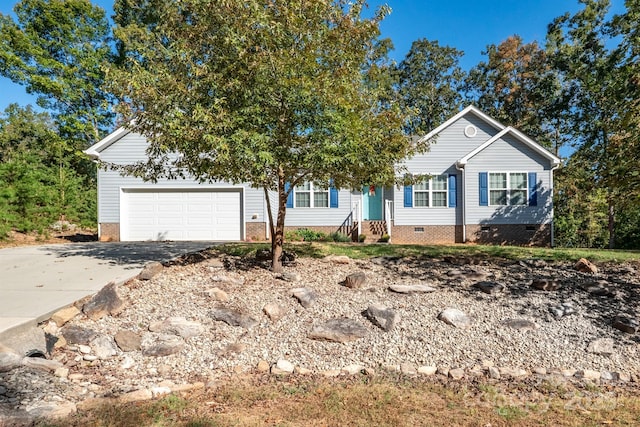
(256, 231)
(109, 232)
(426, 234)
(510, 234)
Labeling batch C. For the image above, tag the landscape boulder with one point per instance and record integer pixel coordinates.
(339, 330)
(233, 317)
(455, 317)
(585, 266)
(383, 317)
(106, 301)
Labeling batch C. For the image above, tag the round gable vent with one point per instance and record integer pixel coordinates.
(470, 131)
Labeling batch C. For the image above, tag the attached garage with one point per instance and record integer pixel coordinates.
(181, 214)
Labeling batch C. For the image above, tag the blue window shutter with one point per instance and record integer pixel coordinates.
(453, 192)
(484, 188)
(408, 196)
(533, 189)
(333, 197)
(290, 196)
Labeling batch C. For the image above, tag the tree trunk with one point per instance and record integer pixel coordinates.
(611, 215)
(277, 238)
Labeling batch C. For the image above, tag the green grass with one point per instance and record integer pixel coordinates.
(363, 251)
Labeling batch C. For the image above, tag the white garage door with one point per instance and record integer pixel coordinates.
(180, 215)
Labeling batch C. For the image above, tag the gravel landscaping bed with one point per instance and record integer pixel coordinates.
(505, 327)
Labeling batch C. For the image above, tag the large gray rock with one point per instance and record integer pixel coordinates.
(355, 280)
(151, 270)
(411, 289)
(128, 340)
(603, 346)
(104, 347)
(455, 317)
(78, 335)
(521, 324)
(339, 330)
(178, 326)
(305, 296)
(106, 301)
(383, 317)
(233, 317)
(9, 358)
(165, 345)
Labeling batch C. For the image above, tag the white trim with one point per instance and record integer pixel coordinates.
(95, 150)
(520, 136)
(469, 109)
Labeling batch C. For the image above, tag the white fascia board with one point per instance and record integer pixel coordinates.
(95, 150)
(469, 109)
(520, 136)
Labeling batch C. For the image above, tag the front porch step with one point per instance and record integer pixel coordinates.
(374, 230)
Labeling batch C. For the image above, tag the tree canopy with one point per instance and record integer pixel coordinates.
(261, 91)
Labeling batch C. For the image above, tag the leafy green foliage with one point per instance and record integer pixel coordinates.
(264, 92)
(429, 82)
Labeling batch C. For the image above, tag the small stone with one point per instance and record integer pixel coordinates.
(588, 374)
(274, 311)
(546, 284)
(625, 377)
(585, 266)
(383, 317)
(603, 346)
(106, 301)
(494, 373)
(561, 310)
(84, 349)
(61, 372)
(456, 373)
(233, 317)
(305, 296)
(513, 372)
(128, 340)
(626, 324)
(427, 370)
(263, 366)
(302, 371)
(411, 289)
(217, 294)
(540, 371)
(282, 367)
(455, 317)
(408, 369)
(136, 396)
(568, 372)
(352, 369)
(236, 281)
(89, 357)
(608, 376)
(355, 280)
(151, 270)
(76, 376)
(178, 326)
(64, 315)
(490, 288)
(338, 330)
(337, 259)
(164, 346)
(521, 324)
(443, 370)
(290, 276)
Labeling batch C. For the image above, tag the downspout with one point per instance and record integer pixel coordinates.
(460, 167)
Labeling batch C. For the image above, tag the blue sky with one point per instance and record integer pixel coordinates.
(468, 25)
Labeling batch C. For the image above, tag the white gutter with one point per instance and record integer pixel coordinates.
(460, 167)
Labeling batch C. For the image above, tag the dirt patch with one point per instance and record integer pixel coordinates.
(16, 238)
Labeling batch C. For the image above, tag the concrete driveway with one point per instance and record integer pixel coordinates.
(36, 281)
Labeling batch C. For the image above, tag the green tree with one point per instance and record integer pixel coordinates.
(58, 49)
(429, 83)
(519, 87)
(261, 91)
(585, 52)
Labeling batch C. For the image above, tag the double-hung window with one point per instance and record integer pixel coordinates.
(309, 196)
(508, 188)
(431, 192)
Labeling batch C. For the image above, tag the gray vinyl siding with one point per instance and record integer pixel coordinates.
(308, 217)
(508, 155)
(450, 145)
(130, 149)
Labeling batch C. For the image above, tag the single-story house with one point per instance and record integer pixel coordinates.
(485, 182)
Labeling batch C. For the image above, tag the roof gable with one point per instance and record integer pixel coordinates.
(468, 110)
(95, 150)
(520, 137)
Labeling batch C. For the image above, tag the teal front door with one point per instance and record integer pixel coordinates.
(372, 203)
